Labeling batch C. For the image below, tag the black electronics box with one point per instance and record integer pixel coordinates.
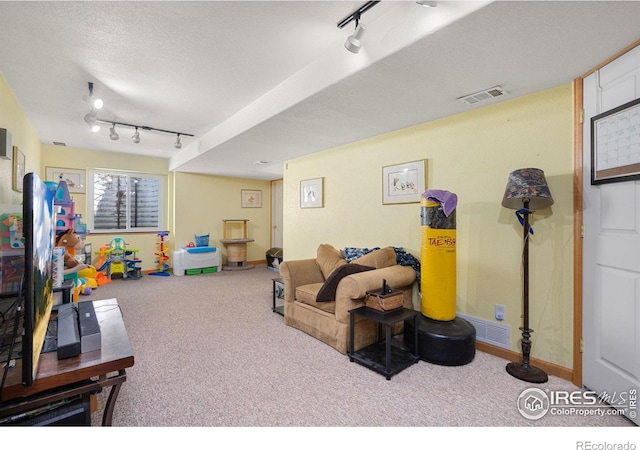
(90, 337)
(68, 331)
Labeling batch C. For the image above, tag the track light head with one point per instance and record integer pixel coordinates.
(95, 102)
(113, 134)
(354, 42)
(136, 137)
(90, 118)
(178, 144)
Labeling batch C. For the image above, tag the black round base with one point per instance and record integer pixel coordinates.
(451, 343)
(527, 372)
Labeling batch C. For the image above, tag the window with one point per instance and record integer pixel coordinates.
(125, 202)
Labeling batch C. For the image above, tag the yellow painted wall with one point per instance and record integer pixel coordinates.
(196, 203)
(73, 158)
(470, 154)
(23, 136)
(203, 202)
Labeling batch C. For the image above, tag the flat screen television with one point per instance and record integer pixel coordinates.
(39, 232)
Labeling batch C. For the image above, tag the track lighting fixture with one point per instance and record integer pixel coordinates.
(95, 102)
(354, 42)
(92, 119)
(113, 134)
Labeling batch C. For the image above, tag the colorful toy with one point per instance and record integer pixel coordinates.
(121, 261)
(162, 255)
(71, 242)
(16, 238)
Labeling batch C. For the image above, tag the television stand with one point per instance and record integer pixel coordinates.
(87, 373)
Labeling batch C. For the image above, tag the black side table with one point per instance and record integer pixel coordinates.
(382, 356)
(274, 308)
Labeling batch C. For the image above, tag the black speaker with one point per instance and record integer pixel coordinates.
(6, 147)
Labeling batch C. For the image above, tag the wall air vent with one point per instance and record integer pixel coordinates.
(490, 332)
(481, 96)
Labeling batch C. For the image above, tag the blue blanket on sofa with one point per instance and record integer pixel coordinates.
(402, 257)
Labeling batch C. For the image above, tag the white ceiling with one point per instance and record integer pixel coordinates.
(271, 81)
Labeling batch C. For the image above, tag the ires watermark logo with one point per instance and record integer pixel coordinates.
(535, 403)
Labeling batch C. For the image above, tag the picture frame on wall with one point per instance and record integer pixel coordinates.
(615, 144)
(312, 193)
(404, 183)
(251, 198)
(19, 162)
(76, 178)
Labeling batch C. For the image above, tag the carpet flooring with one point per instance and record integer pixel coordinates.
(209, 352)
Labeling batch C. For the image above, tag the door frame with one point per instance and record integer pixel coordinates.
(271, 218)
(578, 230)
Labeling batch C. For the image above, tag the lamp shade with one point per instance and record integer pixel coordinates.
(527, 185)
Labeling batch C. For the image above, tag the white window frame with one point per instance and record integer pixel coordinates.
(162, 202)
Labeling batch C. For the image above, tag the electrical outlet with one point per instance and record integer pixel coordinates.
(500, 312)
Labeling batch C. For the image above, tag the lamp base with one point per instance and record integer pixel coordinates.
(527, 372)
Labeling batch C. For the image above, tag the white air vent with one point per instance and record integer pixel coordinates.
(61, 144)
(481, 96)
(490, 332)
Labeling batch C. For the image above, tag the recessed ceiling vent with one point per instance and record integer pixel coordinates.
(481, 96)
(61, 144)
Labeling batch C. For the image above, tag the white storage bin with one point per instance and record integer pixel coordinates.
(203, 257)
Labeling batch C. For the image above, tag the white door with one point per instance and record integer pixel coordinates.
(611, 254)
(276, 213)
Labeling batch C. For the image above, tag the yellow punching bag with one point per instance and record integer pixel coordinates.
(438, 255)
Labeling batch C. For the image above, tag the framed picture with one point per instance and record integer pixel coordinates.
(615, 144)
(251, 198)
(76, 178)
(18, 169)
(403, 183)
(311, 193)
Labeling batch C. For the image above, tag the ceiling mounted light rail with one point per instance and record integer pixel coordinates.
(113, 134)
(92, 119)
(354, 42)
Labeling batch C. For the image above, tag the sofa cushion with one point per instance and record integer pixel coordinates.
(327, 292)
(308, 293)
(328, 259)
(385, 257)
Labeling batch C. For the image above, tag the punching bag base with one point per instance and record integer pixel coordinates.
(450, 343)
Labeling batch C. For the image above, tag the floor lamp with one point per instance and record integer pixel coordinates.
(526, 192)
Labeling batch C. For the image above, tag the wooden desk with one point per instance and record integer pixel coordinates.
(59, 379)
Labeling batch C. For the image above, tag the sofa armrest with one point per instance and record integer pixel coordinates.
(352, 289)
(299, 273)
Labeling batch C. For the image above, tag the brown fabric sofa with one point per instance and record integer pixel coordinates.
(328, 321)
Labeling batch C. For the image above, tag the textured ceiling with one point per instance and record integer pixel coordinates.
(271, 81)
